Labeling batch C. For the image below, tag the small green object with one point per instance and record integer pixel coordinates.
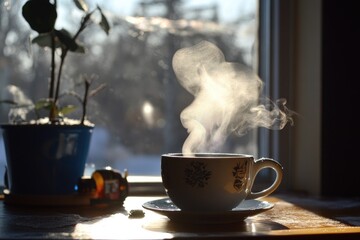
(136, 213)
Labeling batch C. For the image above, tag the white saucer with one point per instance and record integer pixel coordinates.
(246, 209)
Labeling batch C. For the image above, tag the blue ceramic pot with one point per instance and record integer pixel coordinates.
(45, 159)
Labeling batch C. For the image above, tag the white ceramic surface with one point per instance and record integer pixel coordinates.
(207, 182)
(246, 209)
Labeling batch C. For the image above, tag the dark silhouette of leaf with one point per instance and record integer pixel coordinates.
(104, 23)
(67, 40)
(40, 14)
(81, 4)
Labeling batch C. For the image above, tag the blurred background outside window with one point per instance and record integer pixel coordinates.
(137, 115)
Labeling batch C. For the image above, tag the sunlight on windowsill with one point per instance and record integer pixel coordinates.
(145, 185)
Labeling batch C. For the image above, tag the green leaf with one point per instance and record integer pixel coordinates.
(67, 109)
(41, 15)
(44, 40)
(104, 24)
(81, 4)
(43, 104)
(66, 39)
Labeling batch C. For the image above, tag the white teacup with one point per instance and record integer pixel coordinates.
(214, 181)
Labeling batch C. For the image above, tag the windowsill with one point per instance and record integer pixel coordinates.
(138, 186)
(145, 185)
(152, 186)
(292, 217)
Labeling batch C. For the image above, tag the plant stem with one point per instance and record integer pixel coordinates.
(52, 76)
(84, 102)
(52, 114)
(64, 54)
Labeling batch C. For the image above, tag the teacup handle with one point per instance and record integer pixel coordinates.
(258, 166)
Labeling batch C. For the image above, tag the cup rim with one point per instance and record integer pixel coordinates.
(206, 155)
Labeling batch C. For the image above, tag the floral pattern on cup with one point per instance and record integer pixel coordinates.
(197, 175)
(239, 173)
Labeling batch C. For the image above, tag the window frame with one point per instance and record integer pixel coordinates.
(291, 67)
(275, 69)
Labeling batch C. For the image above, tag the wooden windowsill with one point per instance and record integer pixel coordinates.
(291, 217)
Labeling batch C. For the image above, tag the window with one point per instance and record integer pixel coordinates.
(137, 116)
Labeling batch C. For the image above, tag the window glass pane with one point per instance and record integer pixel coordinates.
(137, 115)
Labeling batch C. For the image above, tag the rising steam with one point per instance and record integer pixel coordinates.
(227, 98)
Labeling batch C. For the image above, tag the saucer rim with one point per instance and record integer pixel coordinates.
(235, 215)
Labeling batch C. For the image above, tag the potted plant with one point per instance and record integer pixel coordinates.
(47, 155)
